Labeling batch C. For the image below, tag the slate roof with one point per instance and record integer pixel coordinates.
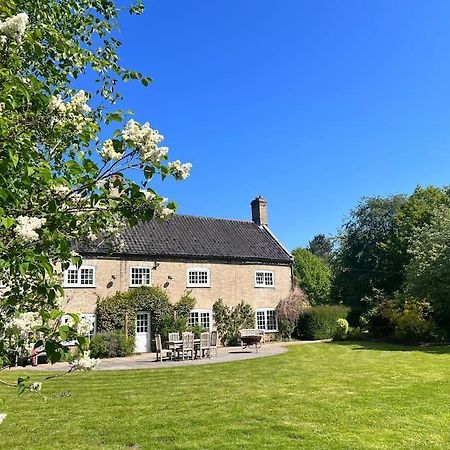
(199, 238)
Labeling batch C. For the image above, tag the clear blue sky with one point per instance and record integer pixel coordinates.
(312, 104)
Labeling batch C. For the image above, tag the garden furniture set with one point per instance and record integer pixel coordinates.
(186, 346)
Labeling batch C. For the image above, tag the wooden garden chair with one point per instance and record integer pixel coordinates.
(160, 350)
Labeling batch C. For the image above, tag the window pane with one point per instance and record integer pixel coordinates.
(271, 320)
(142, 323)
(140, 276)
(193, 319)
(204, 319)
(260, 320)
(268, 278)
(86, 276)
(259, 278)
(72, 276)
(198, 277)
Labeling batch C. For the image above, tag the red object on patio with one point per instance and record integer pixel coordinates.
(34, 357)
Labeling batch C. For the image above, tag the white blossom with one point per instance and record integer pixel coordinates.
(108, 151)
(36, 386)
(61, 190)
(72, 112)
(23, 324)
(85, 326)
(13, 28)
(164, 213)
(149, 195)
(2, 417)
(180, 171)
(146, 141)
(26, 227)
(85, 363)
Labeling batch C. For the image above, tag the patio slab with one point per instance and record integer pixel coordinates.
(148, 360)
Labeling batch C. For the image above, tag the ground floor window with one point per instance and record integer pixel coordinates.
(266, 319)
(200, 317)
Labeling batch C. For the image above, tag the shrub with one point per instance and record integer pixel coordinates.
(111, 344)
(230, 320)
(320, 322)
(357, 334)
(118, 311)
(341, 330)
(403, 319)
(288, 311)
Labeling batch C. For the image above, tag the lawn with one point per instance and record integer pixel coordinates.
(315, 396)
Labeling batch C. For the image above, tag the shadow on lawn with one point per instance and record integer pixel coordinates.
(386, 346)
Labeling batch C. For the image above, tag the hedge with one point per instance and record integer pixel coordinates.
(320, 322)
(110, 345)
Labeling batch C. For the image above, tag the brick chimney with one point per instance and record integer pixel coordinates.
(259, 211)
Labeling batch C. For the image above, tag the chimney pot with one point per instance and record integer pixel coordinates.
(259, 211)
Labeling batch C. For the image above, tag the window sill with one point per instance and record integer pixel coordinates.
(78, 286)
(266, 287)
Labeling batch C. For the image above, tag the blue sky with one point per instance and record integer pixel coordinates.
(312, 104)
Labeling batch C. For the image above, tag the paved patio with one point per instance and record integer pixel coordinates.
(148, 360)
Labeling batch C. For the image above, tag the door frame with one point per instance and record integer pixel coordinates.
(148, 343)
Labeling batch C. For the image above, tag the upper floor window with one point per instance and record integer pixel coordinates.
(264, 278)
(198, 278)
(200, 317)
(266, 319)
(140, 276)
(82, 277)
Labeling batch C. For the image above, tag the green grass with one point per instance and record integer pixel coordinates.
(315, 396)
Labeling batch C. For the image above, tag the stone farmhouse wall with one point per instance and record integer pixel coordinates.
(232, 282)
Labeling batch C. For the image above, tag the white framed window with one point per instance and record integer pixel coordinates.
(140, 276)
(200, 317)
(264, 278)
(266, 319)
(82, 277)
(198, 278)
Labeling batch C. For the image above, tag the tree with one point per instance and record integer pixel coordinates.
(61, 184)
(313, 275)
(367, 258)
(321, 246)
(289, 310)
(428, 273)
(374, 244)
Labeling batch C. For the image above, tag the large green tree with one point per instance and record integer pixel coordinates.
(60, 181)
(313, 275)
(428, 272)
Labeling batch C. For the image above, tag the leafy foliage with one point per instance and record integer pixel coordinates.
(320, 322)
(111, 345)
(289, 310)
(321, 246)
(341, 330)
(64, 185)
(229, 320)
(428, 272)
(313, 275)
(118, 311)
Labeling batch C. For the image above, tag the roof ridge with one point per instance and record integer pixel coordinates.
(215, 218)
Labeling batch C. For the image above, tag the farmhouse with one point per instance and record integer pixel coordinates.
(233, 260)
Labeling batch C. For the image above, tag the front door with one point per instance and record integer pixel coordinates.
(142, 343)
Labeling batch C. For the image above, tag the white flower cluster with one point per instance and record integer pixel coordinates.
(72, 112)
(108, 151)
(85, 326)
(180, 171)
(85, 363)
(26, 227)
(146, 141)
(61, 190)
(2, 417)
(23, 324)
(13, 28)
(35, 386)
